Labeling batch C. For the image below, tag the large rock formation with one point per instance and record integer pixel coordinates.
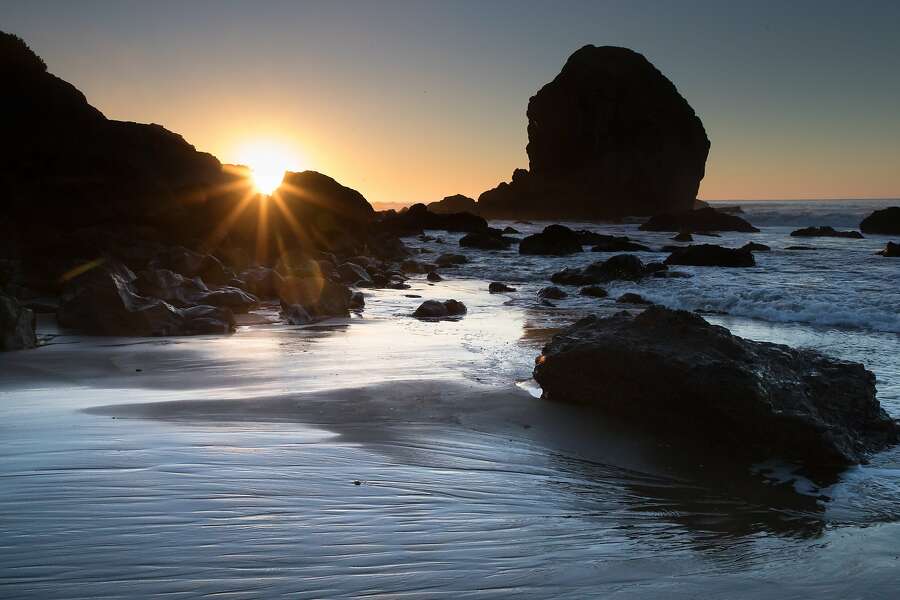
(885, 222)
(610, 136)
(699, 220)
(674, 372)
(453, 204)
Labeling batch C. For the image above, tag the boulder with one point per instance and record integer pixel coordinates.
(677, 374)
(262, 282)
(16, 325)
(552, 293)
(418, 218)
(883, 222)
(357, 301)
(710, 255)
(294, 314)
(183, 292)
(616, 243)
(453, 204)
(433, 277)
(510, 231)
(485, 241)
(554, 240)
(319, 297)
(825, 231)
(632, 298)
(891, 249)
(697, 221)
(435, 309)
(754, 247)
(593, 291)
(684, 236)
(353, 274)
(610, 136)
(619, 267)
(449, 260)
(497, 287)
(195, 264)
(206, 320)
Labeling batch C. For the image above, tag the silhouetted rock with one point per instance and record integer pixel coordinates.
(593, 291)
(510, 231)
(497, 287)
(418, 218)
(620, 267)
(262, 282)
(884, 222)
(453, 204)
(825, 231)
(485, 241)
(353, 274)
(684, 236)
(552, 293)
(435, 309)
(615, 243)
(698, 221)
(632, 298)
(16, 325)
(449, 260)
(319, 297)
(555, 240)
(182, 292)
(357, 301)
(710, 255)
(610, 136)
(754, 247)
(433, 277)
(891, 249)
(674, 372)
(294, 314)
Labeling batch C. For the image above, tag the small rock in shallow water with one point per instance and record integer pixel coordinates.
(433, 276)
(593, 291)
(552, 293)
(435, 309)
(497, 287)
(632, 298)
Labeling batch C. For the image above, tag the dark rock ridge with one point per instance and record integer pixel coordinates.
(825, 231)
(671, 370)
(610, 136)
(436, 309)
(418, 218)
(710, 255)
(453, 204)
(554, 240)
(16, 325)
(698, 221)
(625, 267)
(884, 222)
(891, 249)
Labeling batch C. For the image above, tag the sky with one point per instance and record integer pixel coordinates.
(411, 101)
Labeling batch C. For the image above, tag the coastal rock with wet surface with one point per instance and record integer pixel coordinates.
(673, 369)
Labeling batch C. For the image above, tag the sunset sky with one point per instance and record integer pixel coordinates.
(413, 101)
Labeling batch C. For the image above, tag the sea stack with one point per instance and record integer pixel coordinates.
(609, 137)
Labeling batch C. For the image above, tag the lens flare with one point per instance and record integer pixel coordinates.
(268, 162)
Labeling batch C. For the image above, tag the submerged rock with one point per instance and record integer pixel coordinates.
(485, 241)
(673, 370)
(436, 309)
(697, 221)
(554, 240)
(710, 255)
(16, 325)
(619, 267)
(552, 293)
(610, 136)
(825, 231)
(892, 250)
(884, 222)
(497, 287)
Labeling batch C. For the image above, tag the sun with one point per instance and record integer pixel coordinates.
(268, 162)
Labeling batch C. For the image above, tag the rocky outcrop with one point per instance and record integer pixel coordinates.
(710, 255)
(182, 292)
(702, 220)
(825, 231)
(883, 222)
(435, 309)
(16, 325)
(105, 301)
(453, 204)
(610, 136)
(891, 249)
(418, 218)
(554, 240)
(675, 373)
(625, 267)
